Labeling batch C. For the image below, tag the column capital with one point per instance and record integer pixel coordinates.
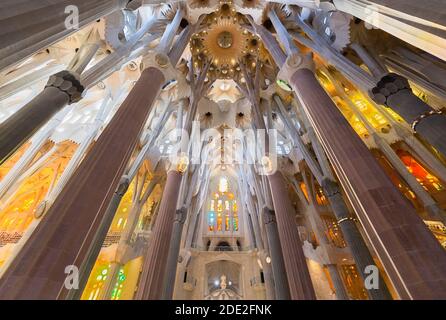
(268, 93)
(293, 63)
(68, 82)
(160, 61)
(388, 85)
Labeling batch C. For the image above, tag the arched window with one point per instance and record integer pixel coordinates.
(222, 213)
(429, 182)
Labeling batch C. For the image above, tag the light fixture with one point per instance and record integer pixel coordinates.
(268, 260)
(284, 85)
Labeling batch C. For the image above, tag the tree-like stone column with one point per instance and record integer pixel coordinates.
(151, 285)
(66, 232)
(29, 26)
(412, 257)
(62, 88)
(353, 237)
(332, 190)
(277, 259)
(398, 17)
(299, 281)
(394, 92)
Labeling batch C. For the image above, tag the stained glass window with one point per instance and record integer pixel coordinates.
(211, 220)
(429, 182)
(96, 281)
(222, 212)
(235, 221)
(219, 221)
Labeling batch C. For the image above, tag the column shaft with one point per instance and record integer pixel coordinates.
(91, 256)
(353, 238)
(431, 128)
(299, 281)
(66, 232)
(62, 88)
(341, 293)
(21, 125)
(151, 285)
(174, 250)
(27, 27)
(394, 91)
(412, 257)
(277, 259)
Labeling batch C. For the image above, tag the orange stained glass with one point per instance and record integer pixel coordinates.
(353, 282)
(219, 221)
(229, 195)
(397, 181)
(220, 205)
(351, 117)
(429, 182)
(18, 212)
(320, 197)
(361, 102)
(303, 187)
(326, 83)
(120, 219)
(333, 232)
(8, 164)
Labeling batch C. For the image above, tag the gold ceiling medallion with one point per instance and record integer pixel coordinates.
(225, 42)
